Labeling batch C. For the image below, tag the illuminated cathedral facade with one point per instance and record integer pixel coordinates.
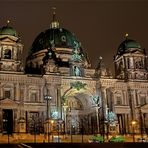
(56, 89)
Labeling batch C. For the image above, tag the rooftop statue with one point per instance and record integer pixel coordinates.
(76, 56)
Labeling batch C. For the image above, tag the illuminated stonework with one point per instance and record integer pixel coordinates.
(79, 96)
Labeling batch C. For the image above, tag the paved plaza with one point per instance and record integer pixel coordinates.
(28, 138)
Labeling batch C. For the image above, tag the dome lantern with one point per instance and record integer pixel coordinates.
(54, 23)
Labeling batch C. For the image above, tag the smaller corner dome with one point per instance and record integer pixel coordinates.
(8, 30)
(128, 44)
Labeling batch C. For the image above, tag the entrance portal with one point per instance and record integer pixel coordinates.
(8, 121)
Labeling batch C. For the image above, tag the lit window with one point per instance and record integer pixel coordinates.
(7, 54)
(75, 104)
(142, 100)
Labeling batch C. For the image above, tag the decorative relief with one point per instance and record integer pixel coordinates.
(76, 71)
(78, 85)
(141, 76)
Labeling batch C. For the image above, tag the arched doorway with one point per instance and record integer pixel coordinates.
(7, 121)
(79, 114)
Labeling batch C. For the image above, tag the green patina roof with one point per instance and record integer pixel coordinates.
(7, 30)
(62, 38)
(127, 44)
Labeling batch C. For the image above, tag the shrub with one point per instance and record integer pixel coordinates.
(117, 139)
(97, 139)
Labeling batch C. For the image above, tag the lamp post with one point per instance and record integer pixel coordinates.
(133, 129)
(65, 118)
(96, 100)
(35, 128)
(140, 121)
(51, 129)
(82, 129)
(70, 124)
(97, 115)
(59, 128)
(47, 98)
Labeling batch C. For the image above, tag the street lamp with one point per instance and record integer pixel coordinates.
(96, 99)
(82, 129)
(51, 129)
(70, 123)
(140, 121)
(34, 127)
(98, 118)
(133, 129)
(47, 98)
(65, 118)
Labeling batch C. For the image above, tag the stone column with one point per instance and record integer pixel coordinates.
(59, 103)
(42, 94)
(97, 116)
(131, 103)
(17, 95)
(21, 125)
(15, 120)
(102, 121)
(1, 120)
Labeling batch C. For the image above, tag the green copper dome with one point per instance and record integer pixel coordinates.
(61, 37)
(128, 44)
(7, 30)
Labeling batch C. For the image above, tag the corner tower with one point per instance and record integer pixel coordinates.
(131, 61)
(10, 50)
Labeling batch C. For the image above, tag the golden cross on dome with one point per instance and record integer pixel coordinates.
(54, 13)
(54, 23)
(8, 22)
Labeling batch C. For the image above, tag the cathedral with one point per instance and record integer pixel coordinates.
(57, 90)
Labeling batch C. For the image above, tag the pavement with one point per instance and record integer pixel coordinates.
(75, 145)
(28, 138)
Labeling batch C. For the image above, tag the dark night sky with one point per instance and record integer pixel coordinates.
(100, 25)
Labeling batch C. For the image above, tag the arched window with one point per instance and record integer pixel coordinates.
(34, 97)
(7, 54)
(7, 94)
(142, 100)
(74, 104)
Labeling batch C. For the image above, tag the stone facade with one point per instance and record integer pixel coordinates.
(44, 96)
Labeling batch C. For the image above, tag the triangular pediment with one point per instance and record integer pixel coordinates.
(137, 52)
(144, 107)
(6, 38)
(8, 102)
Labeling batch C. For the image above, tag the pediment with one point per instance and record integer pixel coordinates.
(8, 39)
(137, 52)
(8, 102)
(144, 107)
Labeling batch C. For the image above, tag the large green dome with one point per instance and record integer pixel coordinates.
(58, 44)
(7, 30)
(61, 37)
(128, 44)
